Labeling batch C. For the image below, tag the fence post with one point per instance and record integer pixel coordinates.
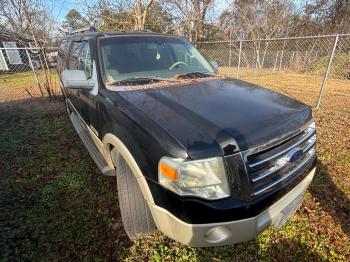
(35, 76)
(239, 58)
(284, 44)
(3, 59)
(274, 68)
(230, 53)
(291, 59)
(327, 70)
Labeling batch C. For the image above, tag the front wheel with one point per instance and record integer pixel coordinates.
(136, 216)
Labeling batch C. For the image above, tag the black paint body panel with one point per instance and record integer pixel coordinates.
(198, 120)
(206, 116)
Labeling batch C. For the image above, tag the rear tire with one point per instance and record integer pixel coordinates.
(136, 216)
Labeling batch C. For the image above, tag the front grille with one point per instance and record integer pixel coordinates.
(272, 165)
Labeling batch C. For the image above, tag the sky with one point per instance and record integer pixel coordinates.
(61, 7)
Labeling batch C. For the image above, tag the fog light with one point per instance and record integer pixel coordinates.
(217, 234)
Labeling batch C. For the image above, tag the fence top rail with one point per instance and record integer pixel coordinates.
(275, 39)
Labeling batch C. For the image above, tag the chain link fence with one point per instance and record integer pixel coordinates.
(29, 70)
(310, 69)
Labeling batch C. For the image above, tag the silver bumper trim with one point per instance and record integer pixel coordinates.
(225, 233)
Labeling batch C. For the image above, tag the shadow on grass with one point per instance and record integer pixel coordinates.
(332, 200)
(33, 104)
(54, 203)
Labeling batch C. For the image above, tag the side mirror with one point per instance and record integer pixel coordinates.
(76, 79)
(215, 65)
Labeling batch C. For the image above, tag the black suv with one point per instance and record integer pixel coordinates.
(206, 159)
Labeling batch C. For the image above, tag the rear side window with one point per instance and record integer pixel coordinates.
(63, 46)
(61, 54)
(73, 63)
(85, 62)
(80, 58)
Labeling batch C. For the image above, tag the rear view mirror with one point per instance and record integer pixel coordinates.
(77, 79)
(215, 65)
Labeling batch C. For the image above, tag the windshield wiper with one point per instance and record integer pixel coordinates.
(195, 74)
(138, 80)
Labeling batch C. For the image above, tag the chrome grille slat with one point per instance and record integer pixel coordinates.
(271, 165)
(290, 173)
(275, 168)
(276, 141)
(309, 146)
(258, 163)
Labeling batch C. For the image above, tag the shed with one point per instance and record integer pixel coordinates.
(13, 55)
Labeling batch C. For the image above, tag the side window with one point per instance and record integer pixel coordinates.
(85, 62)
(61, 53)
(63, 46)
(74, 56)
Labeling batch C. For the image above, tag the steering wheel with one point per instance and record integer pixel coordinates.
(177, 63)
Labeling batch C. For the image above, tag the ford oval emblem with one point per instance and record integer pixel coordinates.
(294, 155)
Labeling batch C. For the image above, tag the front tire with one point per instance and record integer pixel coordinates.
(136, 216)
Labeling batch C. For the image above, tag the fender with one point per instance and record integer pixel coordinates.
(104, 146)
(111, 140)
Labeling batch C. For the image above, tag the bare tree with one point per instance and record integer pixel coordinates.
(118, 14)
(323, 17)
(159, 19)
(108, 15)
(191, 16)
(258, 18)
(32, 18)
(140, 13)
(29, 17)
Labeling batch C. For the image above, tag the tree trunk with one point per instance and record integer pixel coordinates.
(140, 14)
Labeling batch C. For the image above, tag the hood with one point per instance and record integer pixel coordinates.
(208, 117)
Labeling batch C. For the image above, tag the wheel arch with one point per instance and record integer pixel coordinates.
(111, 141)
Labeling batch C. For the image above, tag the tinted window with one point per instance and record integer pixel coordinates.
(63, 45)
(128, 57)
(73, 63)
(61, 54)
(85, 62)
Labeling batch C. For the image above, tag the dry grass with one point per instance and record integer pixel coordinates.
(300, 86)
(23, 85)
(54, 205)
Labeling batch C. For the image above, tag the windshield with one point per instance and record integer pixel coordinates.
(149, 56)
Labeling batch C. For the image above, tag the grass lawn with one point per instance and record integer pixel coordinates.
(305, 87)
(23, 84)
(55, 205)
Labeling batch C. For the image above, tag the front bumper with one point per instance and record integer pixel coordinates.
(225, 233)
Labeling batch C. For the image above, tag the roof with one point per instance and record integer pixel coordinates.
(5, 33)
(21, 37)
(116, 33)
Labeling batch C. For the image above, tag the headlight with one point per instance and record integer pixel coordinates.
(202, 178)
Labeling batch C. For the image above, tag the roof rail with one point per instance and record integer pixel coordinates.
(84, 29)
(143, 30)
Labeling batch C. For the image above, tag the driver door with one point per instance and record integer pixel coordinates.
(86, 99)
